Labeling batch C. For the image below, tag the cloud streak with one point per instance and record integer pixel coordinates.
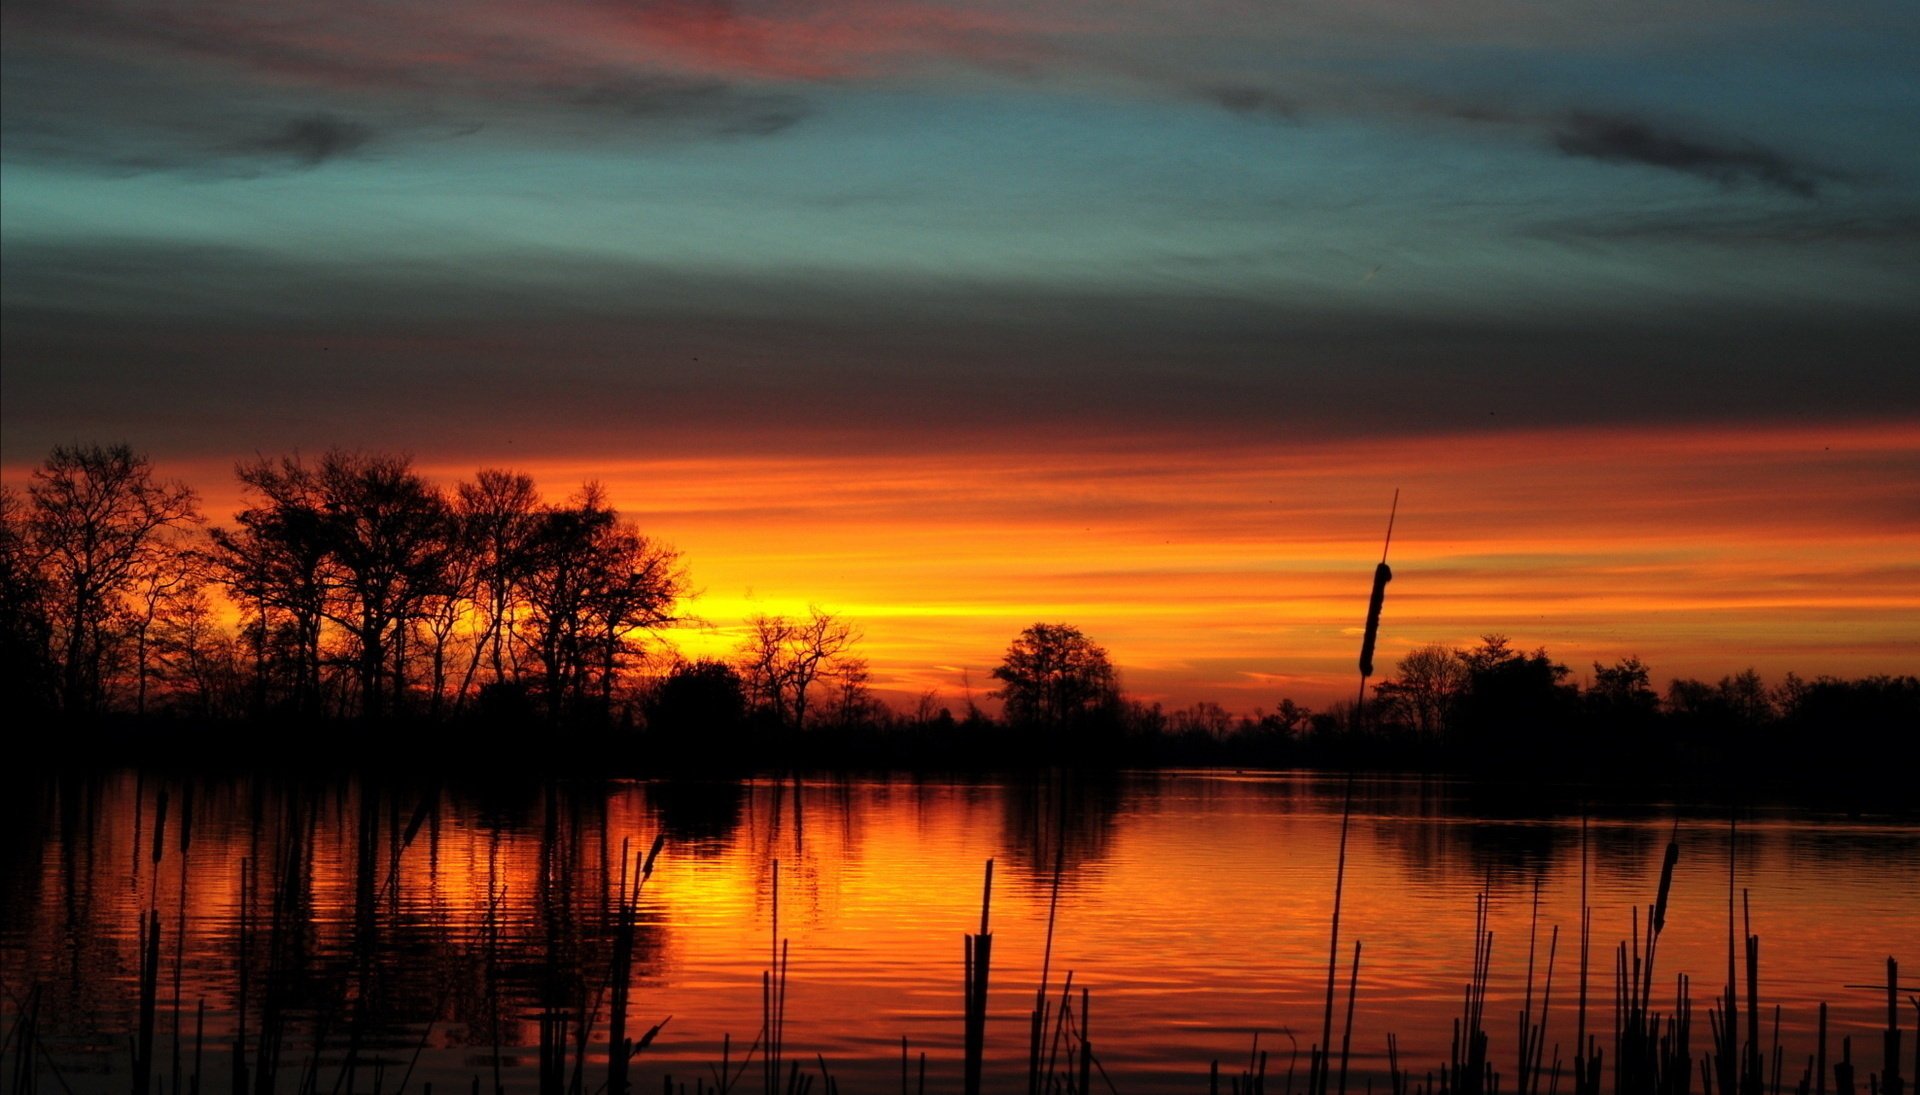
(308, 140)
(1629, 140)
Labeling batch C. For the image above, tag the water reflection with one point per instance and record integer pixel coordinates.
(1055, 825)
(315, 933)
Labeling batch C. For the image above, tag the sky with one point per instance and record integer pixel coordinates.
(959, 316)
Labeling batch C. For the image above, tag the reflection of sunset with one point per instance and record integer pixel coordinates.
(1194, 906)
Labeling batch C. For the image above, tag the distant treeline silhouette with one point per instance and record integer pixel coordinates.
(351, 593)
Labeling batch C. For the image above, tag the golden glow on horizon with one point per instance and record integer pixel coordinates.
(1240, 574)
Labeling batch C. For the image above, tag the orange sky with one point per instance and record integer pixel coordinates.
(1241, 575)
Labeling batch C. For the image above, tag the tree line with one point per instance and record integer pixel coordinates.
(349, 587)
(346, 587)
(1494, 708)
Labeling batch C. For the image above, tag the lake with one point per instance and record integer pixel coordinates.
(427, 934)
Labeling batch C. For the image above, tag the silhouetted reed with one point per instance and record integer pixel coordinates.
(1533, 1033)
(1651, 1054)
(979, 963)
(20, 1050)
(1252, 1080)
(1320, 1055)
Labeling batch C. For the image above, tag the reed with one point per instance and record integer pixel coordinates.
(1038, 1023)
(20, 1045)
(1586, 1051)
(1651, 1054)
(773, 1002)
(1533, 1033)
(979, 965)
(1320, 1055)
(1468, 1070)
(149, 986)
(635, 872)
(1891, 1082)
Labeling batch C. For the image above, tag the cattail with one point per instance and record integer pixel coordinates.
(1666, 885)
(659, 842)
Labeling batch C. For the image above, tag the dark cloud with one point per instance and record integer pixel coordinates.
(1250, 101)
(243, 348)
(216, 148)
(309, 140)
(1615, 138)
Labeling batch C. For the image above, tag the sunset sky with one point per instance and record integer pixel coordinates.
(958, 316)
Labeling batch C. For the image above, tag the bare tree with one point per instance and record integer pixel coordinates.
(763, 664)
(593, 586)
(498, 515)
(1427, 681)
(100, 523)
(26, 631)
(388, 532)
(156, 596)
(782, 658)
(277, 566)
(196, 657)
(852, 698)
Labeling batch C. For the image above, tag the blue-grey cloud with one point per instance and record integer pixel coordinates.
(308, 140)
(1249, 100)
(1616, 138)
(244, 348)
(713, 105)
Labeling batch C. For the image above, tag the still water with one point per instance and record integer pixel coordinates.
(422, 933)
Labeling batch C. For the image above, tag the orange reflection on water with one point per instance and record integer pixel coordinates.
(1194, 906)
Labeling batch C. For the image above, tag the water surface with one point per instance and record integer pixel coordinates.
(430, 929)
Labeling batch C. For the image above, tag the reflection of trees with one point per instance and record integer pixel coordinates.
(1066, 815)
(789, 821)
(1504, 853)
(361, 924)
(26, 807)
(697, 816)
(1439, 832)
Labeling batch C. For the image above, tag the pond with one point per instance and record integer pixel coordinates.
(429, 935)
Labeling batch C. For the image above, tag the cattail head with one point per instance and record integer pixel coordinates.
(646, 870)
(1666, 885)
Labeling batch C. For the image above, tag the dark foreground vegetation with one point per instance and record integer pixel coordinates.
(354, 612)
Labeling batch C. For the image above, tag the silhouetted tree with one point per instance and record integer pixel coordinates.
(592, 585)
(26, 634)
(1054, 676)
(1516, 710)
(1620, 693)
(1856, 729)
(1425, 685)
(782, 658)
(850, 700)
(99, 525)
(1739, 701)
(198, 660)
(159, 596)
(499, 517)
(387, 531)
(705, 698)
(276, 564)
